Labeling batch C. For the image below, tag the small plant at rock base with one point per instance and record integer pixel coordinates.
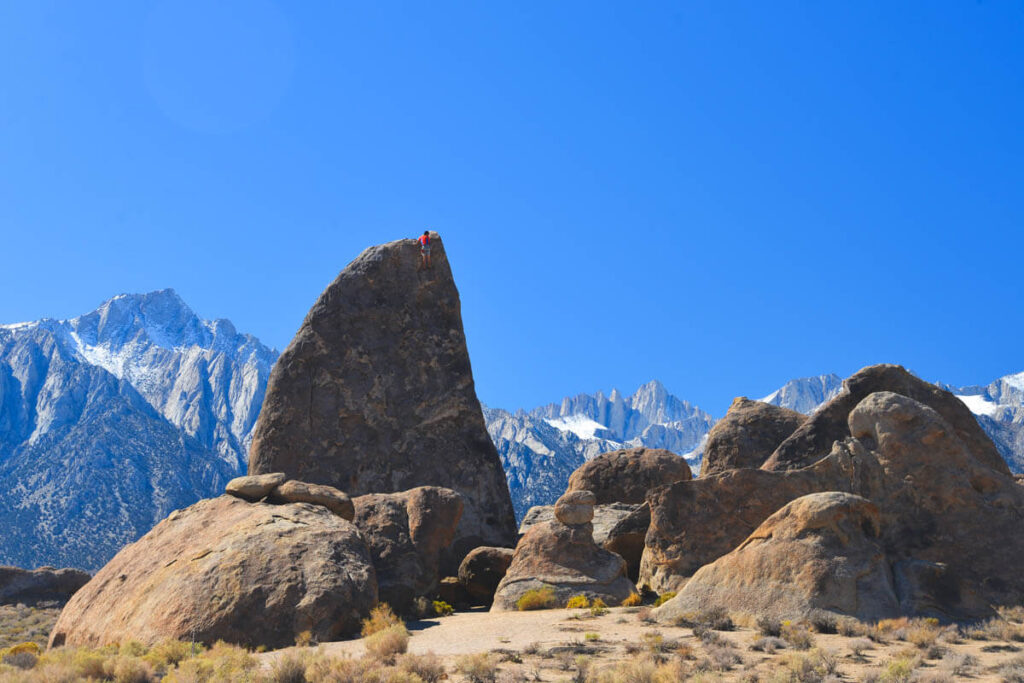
(598, 608)
(578, 602)
(381, 618)
(632, 600)
(664, 597)
(442, 608)
(304, 638)
(537, 598)
(387, 644)
(478, 668)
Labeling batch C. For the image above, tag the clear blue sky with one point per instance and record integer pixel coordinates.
(722, 195)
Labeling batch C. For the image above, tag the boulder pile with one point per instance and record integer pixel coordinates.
(561, 556)
(948, 512)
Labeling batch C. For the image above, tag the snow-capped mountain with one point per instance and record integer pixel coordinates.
(806, 394)
(999, 408)
(541, 448)
(111, 420)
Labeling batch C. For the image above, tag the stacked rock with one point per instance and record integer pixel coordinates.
(561, 556)
(273, 488)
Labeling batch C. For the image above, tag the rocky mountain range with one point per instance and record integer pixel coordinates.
(110, 420)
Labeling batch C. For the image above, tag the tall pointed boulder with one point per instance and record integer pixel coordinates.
(375, 394)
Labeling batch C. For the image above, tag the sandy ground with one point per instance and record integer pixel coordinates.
(544, 646)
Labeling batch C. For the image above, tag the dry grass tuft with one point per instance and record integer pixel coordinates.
(478, 668)
(385, 645)
(381, 617)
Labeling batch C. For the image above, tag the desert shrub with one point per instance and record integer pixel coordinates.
(304, 638)
(132, 648)
(893, 628)
(851, 628)
(642, 670)
(823, 622)
(768, 644)
(442, 608)
(959, 663)
(478, 668)
(537, 598)
(169, 652)
(128, 669)
(578, 602)
(1014, 613)
(387, 644)
(769, 626)
(428, 667)
(797, 635)
(664, 597)
(719, 658)
(632, 600)
(716, 618)
(24, 647)
(900, 669)
(88, 664)
(591, 637)
(338, 670)
(21, 660)
(933, 677)
(1012, 671)
(858, 646)
(381, 617)
(923, 635)
(598, 608)
(289, 668)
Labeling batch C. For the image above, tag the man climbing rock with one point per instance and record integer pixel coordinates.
(424, 241)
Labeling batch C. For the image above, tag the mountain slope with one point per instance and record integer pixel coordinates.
(110, 421)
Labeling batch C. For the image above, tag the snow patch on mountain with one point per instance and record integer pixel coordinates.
(979, 405)
(580, 425)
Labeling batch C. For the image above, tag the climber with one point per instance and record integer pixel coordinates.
(424, 241)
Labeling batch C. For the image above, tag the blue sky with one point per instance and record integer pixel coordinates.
(722, 195)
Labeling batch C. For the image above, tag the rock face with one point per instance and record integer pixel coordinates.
(564, 558)
(819, 553)
(624, 476)
(747, 435)
(375, 395)
(407, 533)
(45, 584)
(626, 538)
(814, 438)
(482, 570)
(949, 521)
(225, 569)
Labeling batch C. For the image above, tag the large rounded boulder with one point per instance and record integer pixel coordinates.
(226, 569)
(820, 553)
(747, 435)
(625, 476)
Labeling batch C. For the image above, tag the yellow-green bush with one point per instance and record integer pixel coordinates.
(578, 602)
(598, 608)
(442, 608)
(387, 644)
(632, 600)
(664, 597)
(381, 618)
(537, 598)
